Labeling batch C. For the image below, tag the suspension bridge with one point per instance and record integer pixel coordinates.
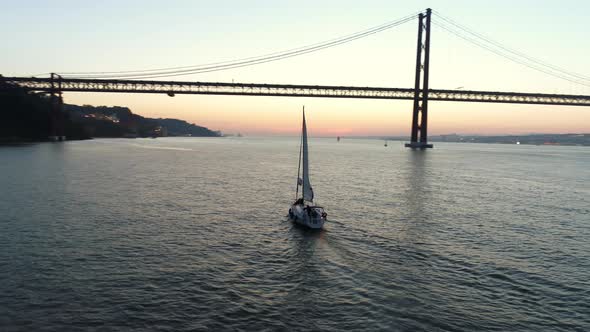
(135, 82)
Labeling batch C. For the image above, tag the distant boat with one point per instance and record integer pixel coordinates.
(338, 139)
(385, 143)
(303, 211)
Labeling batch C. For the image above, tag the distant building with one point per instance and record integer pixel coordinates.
(449, 138)
(160, 131)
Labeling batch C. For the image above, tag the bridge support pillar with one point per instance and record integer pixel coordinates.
(419, 133)
(56, 117)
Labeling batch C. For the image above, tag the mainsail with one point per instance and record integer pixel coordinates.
(307, 190)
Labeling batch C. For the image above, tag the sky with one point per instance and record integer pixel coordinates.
(85, 36)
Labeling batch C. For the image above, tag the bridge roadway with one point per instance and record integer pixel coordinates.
(287, 90)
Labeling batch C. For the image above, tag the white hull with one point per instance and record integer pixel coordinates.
(309, 216)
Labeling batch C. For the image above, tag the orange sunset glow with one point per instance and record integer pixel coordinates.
(384, 59)
(338, 117)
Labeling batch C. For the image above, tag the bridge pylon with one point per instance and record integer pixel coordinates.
(419, 134)
(56, 117)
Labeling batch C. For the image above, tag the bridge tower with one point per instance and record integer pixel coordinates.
(419, 135)
(56, 117)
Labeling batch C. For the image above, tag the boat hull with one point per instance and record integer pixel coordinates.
(308, 216)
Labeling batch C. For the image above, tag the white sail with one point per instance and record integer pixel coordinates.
(303, 211)
(307, 190)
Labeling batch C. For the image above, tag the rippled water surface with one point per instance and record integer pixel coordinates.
(191, 234)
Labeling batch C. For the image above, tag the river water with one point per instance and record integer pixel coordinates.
(191, 234)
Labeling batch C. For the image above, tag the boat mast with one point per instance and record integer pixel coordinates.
(299, 164)
(306, 185)
(303, 177)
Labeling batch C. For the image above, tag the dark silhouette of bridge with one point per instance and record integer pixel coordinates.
(420, 94)
(171, 88)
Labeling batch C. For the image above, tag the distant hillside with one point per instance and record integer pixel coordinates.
(116, 121)
(177, 127)
(25, 116)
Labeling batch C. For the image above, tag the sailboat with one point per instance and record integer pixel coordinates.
(303, 211)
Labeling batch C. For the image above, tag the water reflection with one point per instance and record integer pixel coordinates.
(416, 194)
(305, 240)
(303, 273)
(188, 245)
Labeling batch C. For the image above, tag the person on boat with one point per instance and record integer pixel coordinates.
(313, 212)
(299, 201)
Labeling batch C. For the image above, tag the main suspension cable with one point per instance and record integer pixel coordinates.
(511, 54)
(196, 69)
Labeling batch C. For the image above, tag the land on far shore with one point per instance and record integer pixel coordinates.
(534, 139)
(116, 121)
(26, 117)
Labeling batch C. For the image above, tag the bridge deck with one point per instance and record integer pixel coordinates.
(289, 90)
